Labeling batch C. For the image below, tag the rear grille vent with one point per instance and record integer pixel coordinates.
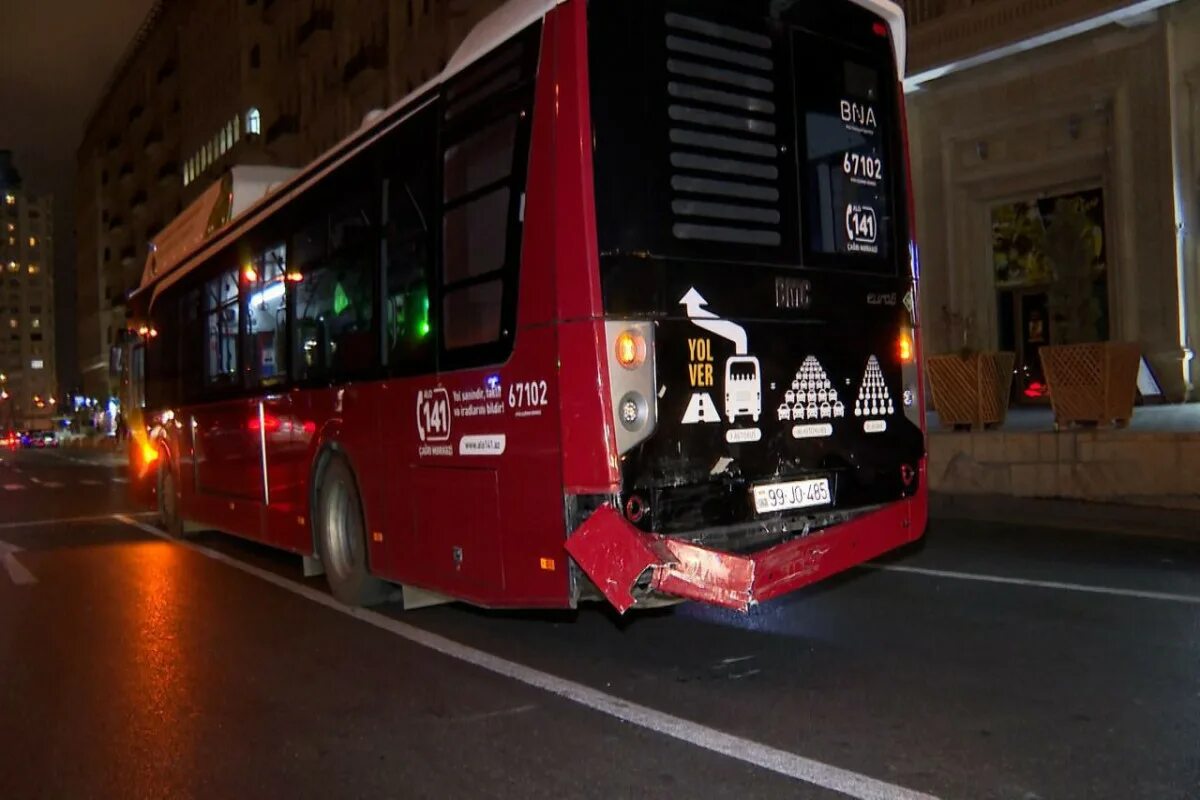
(724, 133)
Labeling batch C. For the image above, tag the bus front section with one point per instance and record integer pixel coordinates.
(759, 287)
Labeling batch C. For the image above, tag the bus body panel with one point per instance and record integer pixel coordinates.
(481, 483)
(589, 443)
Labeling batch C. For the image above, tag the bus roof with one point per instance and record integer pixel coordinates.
(189, 246)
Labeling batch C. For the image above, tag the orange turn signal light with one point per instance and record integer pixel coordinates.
(907, 350)
(631, 350)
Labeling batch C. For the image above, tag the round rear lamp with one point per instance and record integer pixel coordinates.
(631, 350)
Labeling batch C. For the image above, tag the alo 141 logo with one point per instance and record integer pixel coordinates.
(433, 415)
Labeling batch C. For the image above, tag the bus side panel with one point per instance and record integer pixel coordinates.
(288, 435)
(589, 444)
(346, 421)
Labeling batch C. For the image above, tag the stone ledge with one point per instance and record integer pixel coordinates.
(1096, 466)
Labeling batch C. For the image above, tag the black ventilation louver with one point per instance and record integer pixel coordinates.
(724, 133)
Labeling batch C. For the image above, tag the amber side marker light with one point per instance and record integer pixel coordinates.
(631, 350)
(905, 346)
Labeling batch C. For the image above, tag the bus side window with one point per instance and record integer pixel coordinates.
(485, 136)
(410, 216)
(221, 326)
(266, 319)
(336, 335)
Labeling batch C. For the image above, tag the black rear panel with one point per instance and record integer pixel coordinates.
(750, 200)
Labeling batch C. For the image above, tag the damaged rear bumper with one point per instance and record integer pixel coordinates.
(627, 564)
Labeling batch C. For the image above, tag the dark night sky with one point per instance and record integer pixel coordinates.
(55, 56)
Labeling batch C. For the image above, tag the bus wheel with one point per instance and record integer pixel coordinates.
(168, 499)
(341, 538)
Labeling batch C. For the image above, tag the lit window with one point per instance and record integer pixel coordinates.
(11, 227)
(33, 241)
(37, 363)
(10, 199)
(236, 122)
(253, 122)
(13, 267)
(12, 323)
(35, 324)
(34, 269)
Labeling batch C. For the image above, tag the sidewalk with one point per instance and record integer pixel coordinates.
(1178, 521)
(1153, 463)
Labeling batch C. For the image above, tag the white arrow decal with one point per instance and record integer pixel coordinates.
(17, 572)
(703, 318)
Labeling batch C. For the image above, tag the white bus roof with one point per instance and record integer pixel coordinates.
(225, 200)
(487, 35)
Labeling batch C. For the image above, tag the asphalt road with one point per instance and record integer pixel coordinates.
(996, 662)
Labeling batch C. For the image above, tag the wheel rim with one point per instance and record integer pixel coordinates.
(341, 529)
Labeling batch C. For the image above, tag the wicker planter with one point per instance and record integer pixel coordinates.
(1092, 384)
(972, 390)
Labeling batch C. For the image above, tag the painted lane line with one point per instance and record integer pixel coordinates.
(90, 482)
(805, 770)
(14, 487)
(17, 571)
(51, 485)
(1066, 587)
(45, 523)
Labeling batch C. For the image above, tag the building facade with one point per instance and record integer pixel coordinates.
(27, 364)
(1039, 125)
(207, 84)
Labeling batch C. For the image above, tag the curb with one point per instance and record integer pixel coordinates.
(1176, 518)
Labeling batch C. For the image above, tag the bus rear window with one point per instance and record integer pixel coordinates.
(846, 173)
(751, 133)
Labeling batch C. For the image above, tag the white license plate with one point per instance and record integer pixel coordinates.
(791, 495)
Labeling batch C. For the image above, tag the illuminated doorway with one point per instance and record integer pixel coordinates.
(1049, 257)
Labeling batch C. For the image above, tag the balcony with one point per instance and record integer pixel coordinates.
(364, 61)
(139, 200)
(942, 32)
(286, 125)
(126, 173)
(128, 255)
(116, 224)
(168, 172)
(135, 113)
(320, 21)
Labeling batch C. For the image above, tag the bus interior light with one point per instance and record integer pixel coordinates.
(631, 350)
(295, 277)
(267, 295)
(249, 274)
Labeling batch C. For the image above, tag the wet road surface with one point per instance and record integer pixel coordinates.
(994, 662)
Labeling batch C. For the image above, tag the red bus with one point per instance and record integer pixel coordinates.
(621, 306)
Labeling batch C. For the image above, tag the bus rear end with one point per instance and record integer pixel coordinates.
(758, 280)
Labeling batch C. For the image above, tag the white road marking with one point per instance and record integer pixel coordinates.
(1066, 587)
(45, 523)
(806, 770)
(90, 482)
(120, 480)
(51, 485)
(14, 487)
(17, 572)
(35, 480)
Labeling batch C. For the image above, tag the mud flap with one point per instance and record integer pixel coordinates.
(615, 555)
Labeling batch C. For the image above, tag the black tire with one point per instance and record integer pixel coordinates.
(168, 498)
(342, 537)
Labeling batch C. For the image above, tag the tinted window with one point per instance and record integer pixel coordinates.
(266, 319)
(337, 261)
(486, 142)
(411, 213)
(221, 327)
